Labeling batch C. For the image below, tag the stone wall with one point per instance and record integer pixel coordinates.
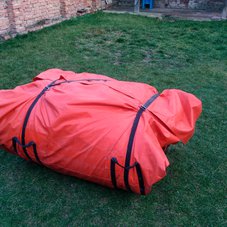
(4, 17)
(22, 16)
(213, 5)
(107, 3)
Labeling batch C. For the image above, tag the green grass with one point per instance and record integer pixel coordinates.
(191, 56)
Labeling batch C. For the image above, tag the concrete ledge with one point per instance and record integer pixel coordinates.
(153, 15)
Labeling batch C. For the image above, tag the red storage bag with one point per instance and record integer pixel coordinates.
(97, 128)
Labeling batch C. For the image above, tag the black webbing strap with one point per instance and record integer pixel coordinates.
(127, 166)
(23, 144)
(113, 171)
(16, 141)
(113, 163)
(140, 178)
(131, 139)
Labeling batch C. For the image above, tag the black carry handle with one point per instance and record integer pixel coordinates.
(138, 170)
(16, 141)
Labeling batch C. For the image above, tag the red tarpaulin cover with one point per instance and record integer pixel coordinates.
(97, 128)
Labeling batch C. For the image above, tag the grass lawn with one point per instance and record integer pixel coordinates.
(191, 56)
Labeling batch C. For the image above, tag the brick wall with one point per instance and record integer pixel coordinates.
(4, 19)
(21, 16)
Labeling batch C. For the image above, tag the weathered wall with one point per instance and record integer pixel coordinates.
(213, 5)
(29, 14)
(21, 16)
(4, 18)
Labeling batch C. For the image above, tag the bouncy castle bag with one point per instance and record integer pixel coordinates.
(96, 128)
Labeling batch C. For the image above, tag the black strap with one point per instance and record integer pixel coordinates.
(113, 172)
(140, 178)
(23, 144)
(127, 166)
(113, 163)
(130, 144)
(16, 141)
(36, 153)
(28, 115)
